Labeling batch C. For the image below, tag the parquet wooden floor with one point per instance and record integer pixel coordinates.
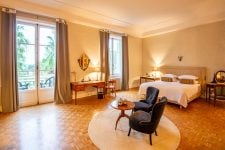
(51, 126)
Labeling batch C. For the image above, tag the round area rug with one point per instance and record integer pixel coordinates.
(103, 134)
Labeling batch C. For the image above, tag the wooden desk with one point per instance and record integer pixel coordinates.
(148, 78)
(81, 86)
(213, 86)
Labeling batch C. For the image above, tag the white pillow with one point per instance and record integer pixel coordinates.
(188, 77)
(169, 75)
(174, 77)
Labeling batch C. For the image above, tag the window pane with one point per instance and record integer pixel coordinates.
(115, 56)
(25, 34)
(47, 66)
(47, 36)
(26, 66)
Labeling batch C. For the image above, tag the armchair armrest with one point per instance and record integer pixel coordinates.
(143, 101)
(144, 122)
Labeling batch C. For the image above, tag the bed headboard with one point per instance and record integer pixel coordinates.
(200, 72)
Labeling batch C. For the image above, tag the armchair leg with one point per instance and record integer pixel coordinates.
(156, 133)
(150, 138)
(129, 132)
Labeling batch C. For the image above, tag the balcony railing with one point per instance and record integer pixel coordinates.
(27, 80)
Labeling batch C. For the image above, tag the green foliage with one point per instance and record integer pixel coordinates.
(21, 47)
(48, 62)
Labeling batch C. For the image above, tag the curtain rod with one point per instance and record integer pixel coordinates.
(113, 32)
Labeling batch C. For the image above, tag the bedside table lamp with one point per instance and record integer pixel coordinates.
(97, 70)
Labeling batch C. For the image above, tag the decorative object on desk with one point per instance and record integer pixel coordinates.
(180, 58)
(97, 70)
(84, 62)
(220, 76)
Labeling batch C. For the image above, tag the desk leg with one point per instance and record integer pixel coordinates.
(75, 100)
(206, 94)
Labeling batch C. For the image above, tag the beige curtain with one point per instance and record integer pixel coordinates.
(125, 64)
(62, 77)
(9, 89)
(104, 54)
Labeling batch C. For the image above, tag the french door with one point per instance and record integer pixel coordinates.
(35, 63)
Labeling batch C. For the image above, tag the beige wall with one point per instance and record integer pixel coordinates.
(83, 39)
(200, 46)
(135, 60)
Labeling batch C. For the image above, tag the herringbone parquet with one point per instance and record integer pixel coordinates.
(51, 126)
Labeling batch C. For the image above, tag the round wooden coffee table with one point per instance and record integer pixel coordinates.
(129, 105)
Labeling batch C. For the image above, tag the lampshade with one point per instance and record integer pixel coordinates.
(97, 69)
(155, 69)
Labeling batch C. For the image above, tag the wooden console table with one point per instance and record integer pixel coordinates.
(213, 86)
(81, 86)
(148, 78)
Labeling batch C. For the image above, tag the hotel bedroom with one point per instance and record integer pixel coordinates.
(70, 108)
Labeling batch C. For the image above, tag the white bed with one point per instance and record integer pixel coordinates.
(175, 92)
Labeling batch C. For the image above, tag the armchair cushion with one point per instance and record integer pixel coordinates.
(142, 106)
(139, 119)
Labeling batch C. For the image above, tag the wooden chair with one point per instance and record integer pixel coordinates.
(111, 84)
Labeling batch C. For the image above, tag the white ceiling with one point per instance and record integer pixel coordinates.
(140, 17)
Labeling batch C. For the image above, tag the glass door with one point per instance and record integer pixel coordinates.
(26, 63)
(46, 63)
(35, 63)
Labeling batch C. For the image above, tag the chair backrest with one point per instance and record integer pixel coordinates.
(50, 81)
(111, 83)
(152, 95)
(157, 112)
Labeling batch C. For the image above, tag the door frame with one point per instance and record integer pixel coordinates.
(37, 88)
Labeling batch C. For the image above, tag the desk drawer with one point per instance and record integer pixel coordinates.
(79, 87)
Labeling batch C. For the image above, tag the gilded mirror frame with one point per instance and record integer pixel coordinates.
(84, 62)
(220, 76)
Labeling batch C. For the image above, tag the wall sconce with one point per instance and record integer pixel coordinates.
(180, 58)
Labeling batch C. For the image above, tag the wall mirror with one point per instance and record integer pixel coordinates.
(84, 62)
(220, 76)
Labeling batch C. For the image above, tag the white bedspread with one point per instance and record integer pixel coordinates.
(174, 91)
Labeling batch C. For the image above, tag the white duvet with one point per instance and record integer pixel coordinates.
(174, 91)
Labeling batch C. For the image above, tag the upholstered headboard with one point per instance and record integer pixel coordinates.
(200, 72)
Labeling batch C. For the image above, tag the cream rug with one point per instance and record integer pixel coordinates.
(103, 134)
